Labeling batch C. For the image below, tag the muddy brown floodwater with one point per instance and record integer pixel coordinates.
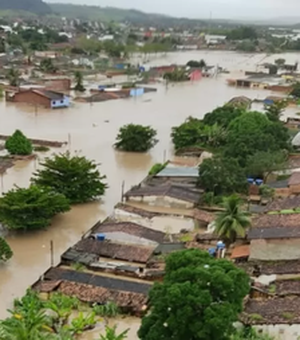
(92, 130)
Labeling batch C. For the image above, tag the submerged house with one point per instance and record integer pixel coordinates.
(39, 97)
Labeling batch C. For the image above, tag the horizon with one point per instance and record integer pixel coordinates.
(215, 9)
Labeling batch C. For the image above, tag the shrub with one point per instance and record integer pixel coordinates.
(18, 144)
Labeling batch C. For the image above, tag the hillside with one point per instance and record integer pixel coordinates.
(117, 14)
(33, 6)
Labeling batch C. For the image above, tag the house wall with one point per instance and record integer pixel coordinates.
(281, 332)
(58, 84)
(294, 189)
(168, 223)
(31, 98)
(136, 92)
(162, 201)
(275, 250)
(65, 102)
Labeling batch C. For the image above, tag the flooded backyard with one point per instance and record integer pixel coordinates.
(92, 129)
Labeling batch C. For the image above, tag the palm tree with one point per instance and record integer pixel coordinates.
(233, 221)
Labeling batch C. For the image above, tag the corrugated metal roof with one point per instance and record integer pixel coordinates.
(273, 233)
(179, 172)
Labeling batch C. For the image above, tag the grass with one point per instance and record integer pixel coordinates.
(186, 238)
(256, 317)
(287, 315)
(272, 289)
(41, 148)
(79, 267)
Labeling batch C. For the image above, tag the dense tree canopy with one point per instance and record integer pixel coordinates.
(199, 299)
(242, 33)
(223, 115)
(5, 250)
(296, 90)
(196, 63)
(76, 177)
(222, 176)
(18, 144)
(193, 132)
(233, 221)
(136, 138)
(31, 208)
(252, 132)
(263, 163)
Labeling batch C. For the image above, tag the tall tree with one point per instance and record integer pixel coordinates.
(222, 176)
(76, 177)
(31, 208)
(199, 299)
(233, 221)
(79, 82)
(13, 77)
(136, 138)
(5, 250)
(47, 65)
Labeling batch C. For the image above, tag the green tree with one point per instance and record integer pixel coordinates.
(242, 33)
(280, 62)
(195, 63)
(46, 65)
(275, 111)
(31, 208)
(222, 176)
(200, 299)
(76, 177)
(18, 144)
(223, 115)
(233, 221)
(252, 132)
(111, 334)
(296, 90)
(263, 163)
(179, 74)
(136, 138)
(5, 250)
(13, 77)
(79, 82)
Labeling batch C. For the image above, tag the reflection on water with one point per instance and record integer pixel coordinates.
(92, 130)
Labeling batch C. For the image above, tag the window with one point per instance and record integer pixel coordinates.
(61, 101)
(53, 102)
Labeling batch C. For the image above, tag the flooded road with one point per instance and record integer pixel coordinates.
(92, 130)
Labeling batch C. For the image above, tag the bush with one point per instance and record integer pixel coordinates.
(31, 208)
(41, 148)
(5, 250)
(158, 167)
(136, 138)
(18, 144)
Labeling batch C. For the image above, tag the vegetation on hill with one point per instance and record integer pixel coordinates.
(34, 6)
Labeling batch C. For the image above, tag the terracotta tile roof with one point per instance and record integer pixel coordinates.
(131, 229)
(240, 251)
(283, 204)
(117, 251)
(89, 293)
(137, 211)
(47, 286)
(294, 179)
(272, 311)
(270, 268)
(276, 221)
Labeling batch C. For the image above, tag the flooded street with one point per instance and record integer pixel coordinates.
(92, 130)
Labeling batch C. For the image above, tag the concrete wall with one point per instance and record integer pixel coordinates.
(65, 102)
(282, 249)
(31, 98)
(281, 332)
(162, 201)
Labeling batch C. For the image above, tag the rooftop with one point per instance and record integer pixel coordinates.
(49, 94)
(179, 172)
(276, 221)
(291, 202)
(294, 179)
(131, 253)
(274, 233)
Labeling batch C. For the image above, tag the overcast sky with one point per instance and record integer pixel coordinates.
(201, 8)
